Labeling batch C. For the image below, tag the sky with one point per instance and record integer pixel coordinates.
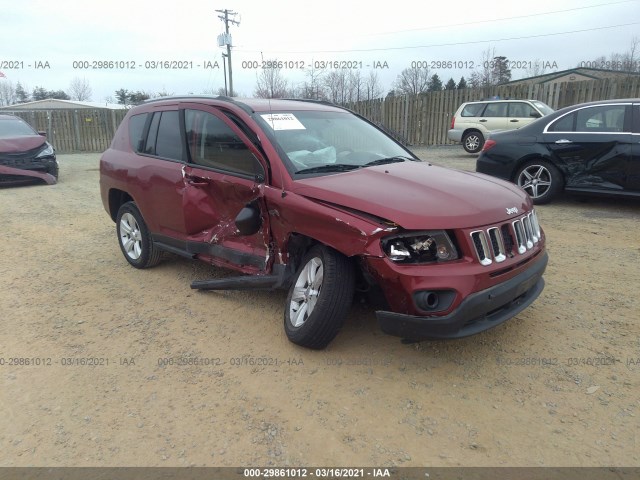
(128, 43)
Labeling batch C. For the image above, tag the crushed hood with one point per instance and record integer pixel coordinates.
(417, 195)
(21, 144)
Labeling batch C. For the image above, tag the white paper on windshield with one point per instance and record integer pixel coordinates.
(283, 121)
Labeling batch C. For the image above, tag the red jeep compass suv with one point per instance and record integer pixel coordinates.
(313, 198)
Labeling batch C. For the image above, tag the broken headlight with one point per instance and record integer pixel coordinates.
(420, 247)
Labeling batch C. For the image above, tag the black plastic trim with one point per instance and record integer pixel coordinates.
(478, 312)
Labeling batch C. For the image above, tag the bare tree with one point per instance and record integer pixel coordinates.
(356, 90)
(484, 75)
(412, 81)
(271, 84)
(337, 85)
(7, 93)
(628, 61)
(80, 90)
(313, 87)
(536, 69)
(372, 86)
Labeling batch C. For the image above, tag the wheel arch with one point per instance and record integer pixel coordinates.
(117, 198)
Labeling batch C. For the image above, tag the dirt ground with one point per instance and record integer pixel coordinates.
(85, 340)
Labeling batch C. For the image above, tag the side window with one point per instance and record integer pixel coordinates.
(521, 110)
(563, 124)
(169, 140)
(607, 118)
(136, 129)
(473, 110)
(150, 146)
(496, 110)
(213, 144)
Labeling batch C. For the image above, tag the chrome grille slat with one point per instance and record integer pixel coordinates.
(499, 242)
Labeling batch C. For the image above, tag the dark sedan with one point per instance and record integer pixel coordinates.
(591, 148)
(25, 155)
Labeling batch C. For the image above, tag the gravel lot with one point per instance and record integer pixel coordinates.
(83, 380)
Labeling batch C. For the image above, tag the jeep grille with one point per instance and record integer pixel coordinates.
(499, 242)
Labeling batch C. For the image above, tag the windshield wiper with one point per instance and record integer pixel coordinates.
(384, 161)
(330, 167)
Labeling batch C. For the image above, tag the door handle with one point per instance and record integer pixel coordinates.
(483, 120)
(563, 140)
(514, 120)
(196, 181)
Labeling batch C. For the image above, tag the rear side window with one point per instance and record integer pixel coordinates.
(521, 110)
(136, 129)
(609, 118)
(495, 110)
(169, 140)
(473, 110)
(213, 144)
(605, 119)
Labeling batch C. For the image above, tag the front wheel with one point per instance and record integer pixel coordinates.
(319, 298)
(541, 180)
(134, 237)
(472, 142)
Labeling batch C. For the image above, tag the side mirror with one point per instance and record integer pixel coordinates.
(249, 221)
(535, 114)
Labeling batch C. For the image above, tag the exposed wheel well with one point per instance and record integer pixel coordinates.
(117, 198)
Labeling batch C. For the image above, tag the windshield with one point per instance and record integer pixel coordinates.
(543, 107)
(13, 127)
(320, 141)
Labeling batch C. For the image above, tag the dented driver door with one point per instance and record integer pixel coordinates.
(225, 173)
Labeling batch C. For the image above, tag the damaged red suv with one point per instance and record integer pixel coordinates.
(313, 198)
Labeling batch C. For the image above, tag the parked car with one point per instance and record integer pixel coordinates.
(313, 198)
(25, 155)
(473, 121)
(588, 148)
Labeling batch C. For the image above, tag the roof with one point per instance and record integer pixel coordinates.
(584, 71)
(49, 103)
(254, 104)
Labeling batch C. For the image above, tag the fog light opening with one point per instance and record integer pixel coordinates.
(431, 300)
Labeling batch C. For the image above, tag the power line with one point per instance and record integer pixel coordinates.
(499, 19)
(445, 44)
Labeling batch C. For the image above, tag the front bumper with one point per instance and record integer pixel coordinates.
(478, 312)
(10, 175)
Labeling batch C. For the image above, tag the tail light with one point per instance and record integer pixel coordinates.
(453, 122)
(488, 144)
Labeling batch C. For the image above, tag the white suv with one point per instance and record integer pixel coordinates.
(474, 120)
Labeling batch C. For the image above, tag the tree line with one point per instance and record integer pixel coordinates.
(341, 86)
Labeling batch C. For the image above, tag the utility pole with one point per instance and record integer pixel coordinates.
(225, 39)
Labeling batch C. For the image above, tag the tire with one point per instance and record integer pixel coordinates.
(319, 298)
(134, 238)
(541, 180)
(473, 142)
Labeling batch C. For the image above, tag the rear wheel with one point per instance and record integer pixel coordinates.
(541, 180)
(319, 298)
(134, 238)
(472, 142)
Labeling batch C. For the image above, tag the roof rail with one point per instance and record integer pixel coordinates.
(223, 98)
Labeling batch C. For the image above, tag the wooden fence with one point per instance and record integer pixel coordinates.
(425, 119)
(75, 130)
(418, 120)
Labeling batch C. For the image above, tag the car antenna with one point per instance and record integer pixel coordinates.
(273, 126)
